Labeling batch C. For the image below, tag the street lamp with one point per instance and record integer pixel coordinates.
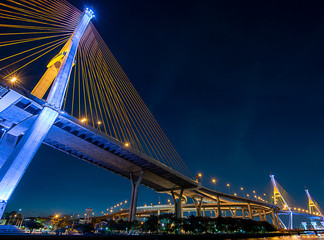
(198, 177)
(13, 79)
(214, 182)
(229, 188)
(98, 125)
(242, 189)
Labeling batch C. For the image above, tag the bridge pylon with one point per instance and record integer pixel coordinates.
(313, 207)
(278, 199)
(19, 157)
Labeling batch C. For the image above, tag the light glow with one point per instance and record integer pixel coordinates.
(13, 79)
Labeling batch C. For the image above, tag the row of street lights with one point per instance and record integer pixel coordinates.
(213, 181)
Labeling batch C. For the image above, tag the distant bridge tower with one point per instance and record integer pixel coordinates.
(279, 200)
(17, 158)
(313, 207)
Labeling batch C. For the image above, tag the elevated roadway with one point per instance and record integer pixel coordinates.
(18, 109)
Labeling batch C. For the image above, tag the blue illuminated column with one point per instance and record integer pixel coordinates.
(15, 166)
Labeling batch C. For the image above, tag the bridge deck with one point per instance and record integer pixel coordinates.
(68, 134)
(18, 109)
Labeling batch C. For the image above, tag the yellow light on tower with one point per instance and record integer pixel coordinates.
(83, 120)
(126, 144)
(213, 180)
(99, 122)
(199, 175)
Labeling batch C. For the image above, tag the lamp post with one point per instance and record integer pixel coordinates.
(214, 182)
(229, 188)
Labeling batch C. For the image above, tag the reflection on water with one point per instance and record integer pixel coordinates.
(295, 237)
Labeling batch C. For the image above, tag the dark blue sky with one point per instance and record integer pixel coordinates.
(236, 85)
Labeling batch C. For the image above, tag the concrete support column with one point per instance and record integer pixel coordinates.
(291, 226)
(278, 220)
(233, 212)
(260, 215)
(273, 218)
(3, 205)
(177, 204)
(264, 216)
(204, 212)
(133, 202)
(198, 206)
(15, 166)
(7, 144)
(250, 211)
(219, 212)
(215, 210)
(243, 213)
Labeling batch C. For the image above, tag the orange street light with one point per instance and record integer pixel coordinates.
(13, 79)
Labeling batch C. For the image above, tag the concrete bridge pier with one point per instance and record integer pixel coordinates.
(7, 144)
(219, 212)
(243, 212)
(274, 220)
(134, 196)
(198, 204)
(177, 204)
(250, 211)
(290, 225)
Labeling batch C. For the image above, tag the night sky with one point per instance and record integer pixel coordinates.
(237, 86)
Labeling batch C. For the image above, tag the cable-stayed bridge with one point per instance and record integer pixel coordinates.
(85, 105)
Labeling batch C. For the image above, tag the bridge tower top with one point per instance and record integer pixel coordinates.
(313, 207)
(278, 197)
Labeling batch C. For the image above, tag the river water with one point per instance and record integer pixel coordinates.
(295, 237)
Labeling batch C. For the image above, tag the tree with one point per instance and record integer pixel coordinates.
(152, 224)
(31, 224)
